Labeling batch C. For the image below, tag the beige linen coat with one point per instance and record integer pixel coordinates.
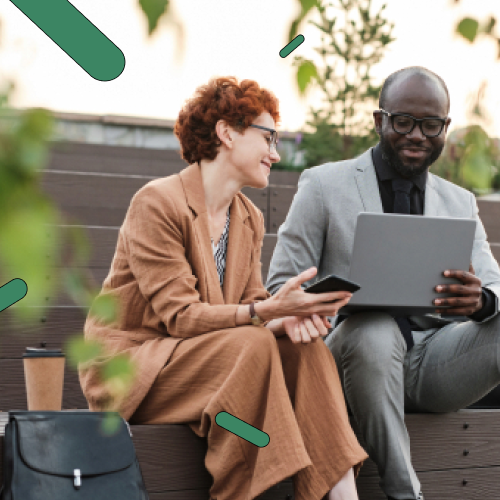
(164, 276)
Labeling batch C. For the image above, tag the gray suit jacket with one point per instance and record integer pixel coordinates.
(319, 228)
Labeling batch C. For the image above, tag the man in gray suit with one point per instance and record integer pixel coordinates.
(431, 363)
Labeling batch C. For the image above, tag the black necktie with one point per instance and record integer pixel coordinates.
(402, 188)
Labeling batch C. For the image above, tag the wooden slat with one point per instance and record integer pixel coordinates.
(13, 391)
(82, 157)
(284, 178)
(495, 250)
(280, 199)
(180, 495)
(69, 189)
(282, 491)
(173, 448)
(438, 441)
(489, 211)
(102, 245)
(481, 484)
(176, 449)
(53, 327)
(267, 253)
(260, 198)
(3, 423)
(60, 297)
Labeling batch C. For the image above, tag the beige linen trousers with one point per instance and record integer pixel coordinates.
(192, 361)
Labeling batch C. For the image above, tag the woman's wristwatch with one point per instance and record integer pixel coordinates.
(256, 320)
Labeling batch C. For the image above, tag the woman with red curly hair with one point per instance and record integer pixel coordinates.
(205, 335)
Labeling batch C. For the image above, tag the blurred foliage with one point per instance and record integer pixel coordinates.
(29, 241)
(154, 10)
(162, 10)
(327, 143)
(40, 245)
(354, 37)
(470, 159)
(305, 7)
(470, 28)
(473, 160)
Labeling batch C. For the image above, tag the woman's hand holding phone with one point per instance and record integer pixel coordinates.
(292, 300)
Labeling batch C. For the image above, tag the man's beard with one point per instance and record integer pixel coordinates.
(391, 156)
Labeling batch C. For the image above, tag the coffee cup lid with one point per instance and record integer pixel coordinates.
(35, 352)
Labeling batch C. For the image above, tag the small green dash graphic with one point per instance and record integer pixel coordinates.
(288, 49)
(12, 292)
(242, 429)
(65, 25)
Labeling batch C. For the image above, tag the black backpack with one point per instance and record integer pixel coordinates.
(51, 455)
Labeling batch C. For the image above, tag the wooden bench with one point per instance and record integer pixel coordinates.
(93, 184)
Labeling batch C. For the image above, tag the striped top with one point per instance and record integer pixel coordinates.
(220, 251)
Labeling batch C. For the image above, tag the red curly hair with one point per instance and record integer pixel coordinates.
(220, 99)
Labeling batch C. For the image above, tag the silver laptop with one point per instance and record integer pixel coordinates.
(399, 259)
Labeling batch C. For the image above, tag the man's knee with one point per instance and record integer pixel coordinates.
(372, 338)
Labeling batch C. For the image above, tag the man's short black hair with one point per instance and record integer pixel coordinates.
(405, 72)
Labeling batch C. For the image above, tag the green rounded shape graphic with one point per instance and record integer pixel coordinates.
(289, 48)
(12, 292)
(242, 429)
(76, 35)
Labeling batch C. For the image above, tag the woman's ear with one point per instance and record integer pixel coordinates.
(225, 133)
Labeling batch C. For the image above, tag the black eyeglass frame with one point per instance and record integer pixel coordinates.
(415, 121)
(274, 135)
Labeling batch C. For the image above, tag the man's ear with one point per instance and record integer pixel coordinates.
(377, 120)
(446, 125)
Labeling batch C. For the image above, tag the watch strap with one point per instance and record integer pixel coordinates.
(256, 320)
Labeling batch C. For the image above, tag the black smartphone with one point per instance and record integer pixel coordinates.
(333, 283)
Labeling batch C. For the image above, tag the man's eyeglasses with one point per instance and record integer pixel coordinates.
(272, 140)
(404, 124)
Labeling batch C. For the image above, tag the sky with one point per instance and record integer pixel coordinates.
(240, 38)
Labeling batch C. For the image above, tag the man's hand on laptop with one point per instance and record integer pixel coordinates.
(468, 297)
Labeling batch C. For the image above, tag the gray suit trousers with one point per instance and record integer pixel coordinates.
(448, 369)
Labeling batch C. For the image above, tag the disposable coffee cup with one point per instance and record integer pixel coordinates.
(44, 376)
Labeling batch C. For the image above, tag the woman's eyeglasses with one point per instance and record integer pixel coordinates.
(404, 124)
(272, 140)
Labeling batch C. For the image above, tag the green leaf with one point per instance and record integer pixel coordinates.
(489, 25)
(118, 374)
(468, 28)
(153, 9)
(119, 367)
(305, 74)
(110, 423)
(80, 350)
(74, 282)
(305, 7)
(28, 249)
(105, 308)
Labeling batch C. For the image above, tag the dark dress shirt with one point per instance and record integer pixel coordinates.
(385, 175)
